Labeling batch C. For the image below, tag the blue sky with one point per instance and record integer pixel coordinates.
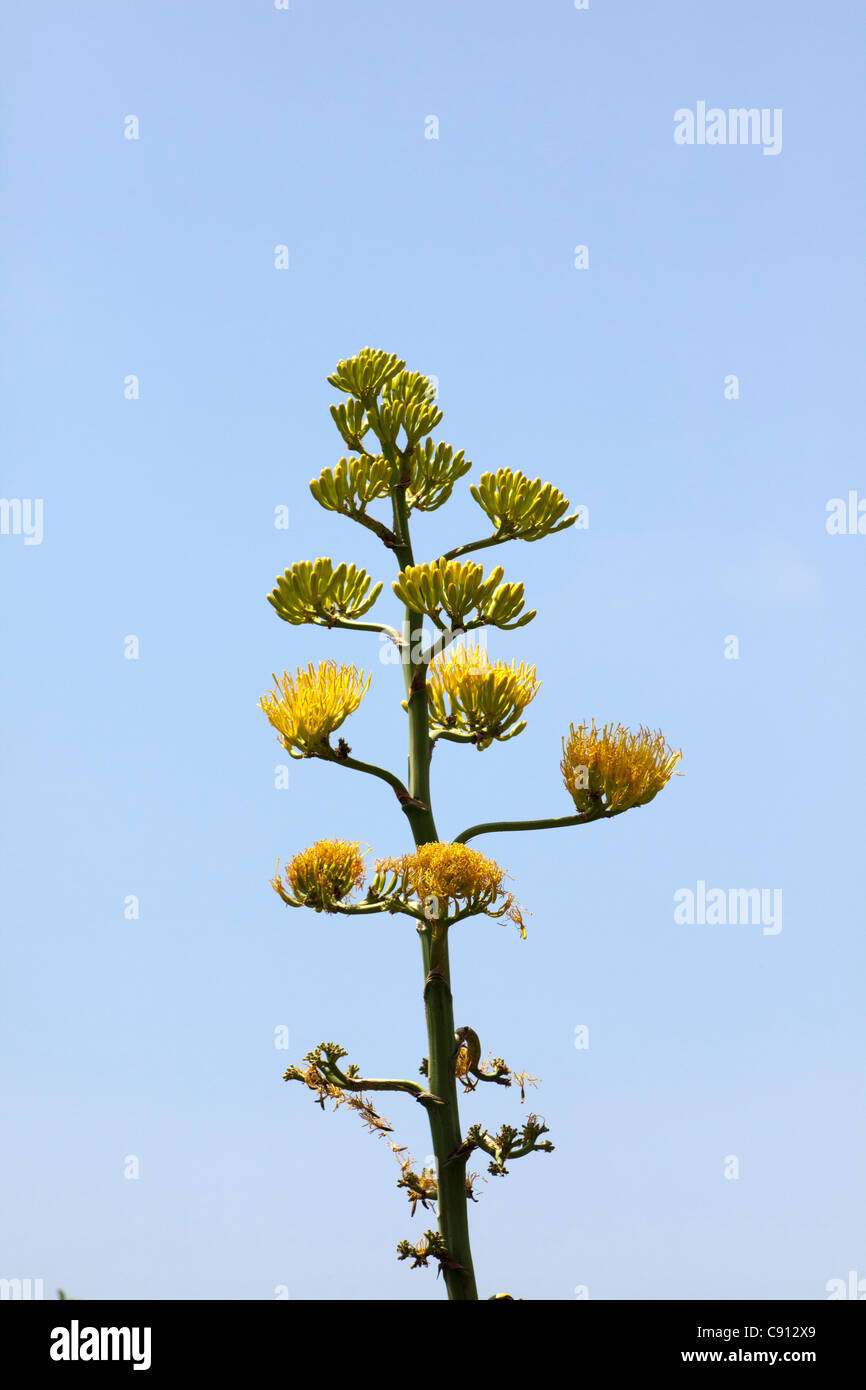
(154, 257)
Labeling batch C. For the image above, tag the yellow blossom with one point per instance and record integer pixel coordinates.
(438, 874)
(306, 708)
(322, 875)
(468, 692)
(613, 769)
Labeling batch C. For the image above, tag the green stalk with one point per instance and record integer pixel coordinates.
(445, 1123)
(438, 1004)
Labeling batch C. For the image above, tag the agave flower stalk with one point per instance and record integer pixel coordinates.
(454, 693)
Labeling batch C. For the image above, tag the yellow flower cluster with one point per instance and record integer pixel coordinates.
(433, 473)
(520, 508)
(468, 692)
(354, 483)
(439, 873)
(322, 875)
(306, 708)
(614, 769)
(364, 376)
(459, 590)
(313, 591)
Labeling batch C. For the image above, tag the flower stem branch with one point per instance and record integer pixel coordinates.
(364, 1083)
(551, 823)
(388, 539)
(351, 626)
(416, 810)
(476, 545)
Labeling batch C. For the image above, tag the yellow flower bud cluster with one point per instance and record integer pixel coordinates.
(459, 592)
(519, 508)
(467, 692)
(313, 591)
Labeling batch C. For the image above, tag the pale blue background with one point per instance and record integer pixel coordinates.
(155, 777)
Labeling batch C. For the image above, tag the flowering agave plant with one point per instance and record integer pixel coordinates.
(451, 692)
